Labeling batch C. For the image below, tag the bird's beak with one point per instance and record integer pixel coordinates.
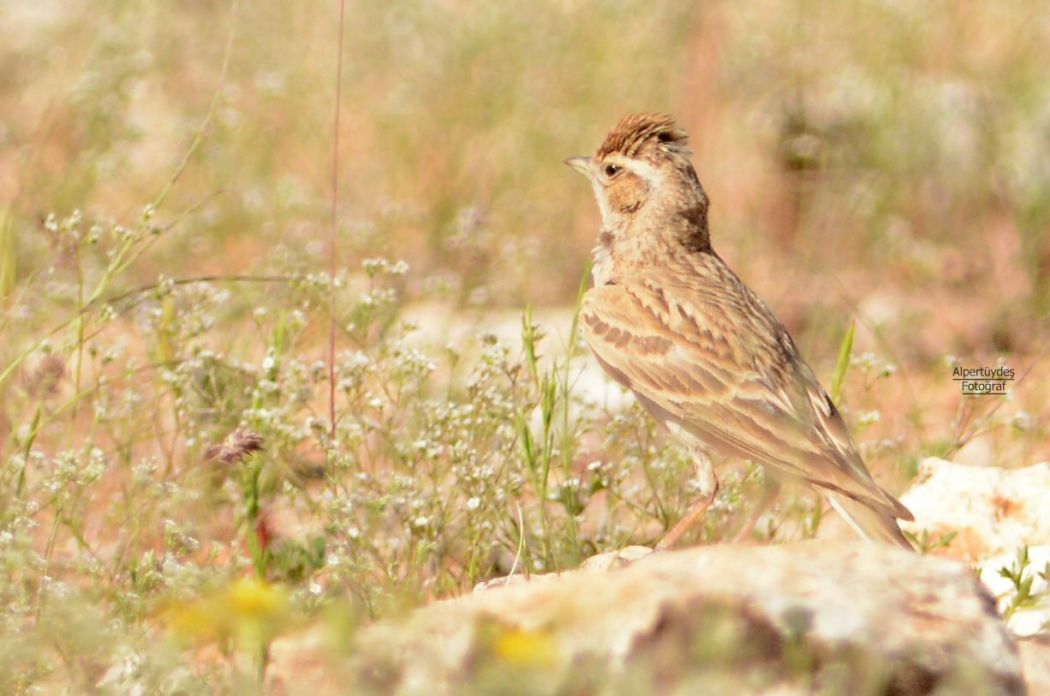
(580, 164)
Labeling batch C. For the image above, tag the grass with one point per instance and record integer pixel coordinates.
(162, 277)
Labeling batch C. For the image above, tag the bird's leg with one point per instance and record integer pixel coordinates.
(771, 488)
(709, 488)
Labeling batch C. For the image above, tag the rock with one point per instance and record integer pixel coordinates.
(1035, 658)
(603, 562)
(614, 560)
(796, 618)
(999, 521)
(990, 511)
(303, 662)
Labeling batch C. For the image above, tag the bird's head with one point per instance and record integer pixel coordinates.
(642, 164)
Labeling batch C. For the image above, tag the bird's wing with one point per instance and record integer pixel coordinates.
(717, 361)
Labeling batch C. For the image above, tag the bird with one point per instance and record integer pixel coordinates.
(669, 320)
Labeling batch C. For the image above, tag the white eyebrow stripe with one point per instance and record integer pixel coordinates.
(651, 174)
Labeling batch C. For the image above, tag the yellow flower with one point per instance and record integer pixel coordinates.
(250, 598)
(525, 648)
(248, 609)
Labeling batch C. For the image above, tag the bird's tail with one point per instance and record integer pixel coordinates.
(870, 523)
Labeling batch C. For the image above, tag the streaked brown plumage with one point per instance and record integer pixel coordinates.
(668, 319)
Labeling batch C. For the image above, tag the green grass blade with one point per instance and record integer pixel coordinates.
(7, 254)
(843, 364)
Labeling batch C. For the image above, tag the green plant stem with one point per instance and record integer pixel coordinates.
(27, 450)
(259, 553)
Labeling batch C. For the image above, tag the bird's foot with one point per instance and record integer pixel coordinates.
(695, 514)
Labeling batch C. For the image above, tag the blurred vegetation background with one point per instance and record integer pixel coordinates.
(901, 151)
(879, 163)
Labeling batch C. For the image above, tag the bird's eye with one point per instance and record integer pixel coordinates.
(612, 170)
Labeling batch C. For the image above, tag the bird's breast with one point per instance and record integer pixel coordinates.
(601, 267)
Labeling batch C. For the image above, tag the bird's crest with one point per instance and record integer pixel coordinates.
(634, 131)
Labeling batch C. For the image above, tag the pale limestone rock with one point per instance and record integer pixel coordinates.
(1035, 657)
(836, 618)
(601, 563)
(994, 513)
(614, 560)
(991, 510)
(304, 663)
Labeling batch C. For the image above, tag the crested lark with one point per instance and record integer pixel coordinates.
(704, 355)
